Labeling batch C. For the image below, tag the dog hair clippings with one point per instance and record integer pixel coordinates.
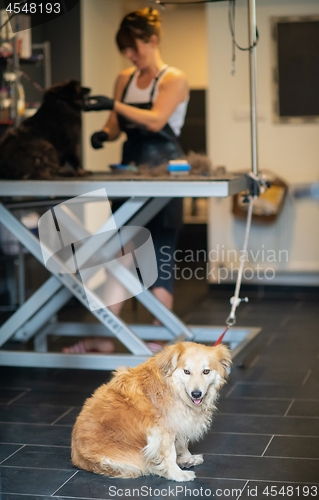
(221, 337)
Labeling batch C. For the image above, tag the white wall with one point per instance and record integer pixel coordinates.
(184, 42)
(101, 64)
(290, 150)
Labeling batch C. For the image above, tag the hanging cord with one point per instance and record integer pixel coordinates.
(235, 300)
(231, 23)
(256, 186)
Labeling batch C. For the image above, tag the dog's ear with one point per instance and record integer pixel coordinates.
(85, 91)
(69, 91)
(166, 360)
(224, 358)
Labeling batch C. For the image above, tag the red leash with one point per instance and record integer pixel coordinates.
(221, 337)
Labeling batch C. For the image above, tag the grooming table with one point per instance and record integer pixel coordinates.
(35, 318)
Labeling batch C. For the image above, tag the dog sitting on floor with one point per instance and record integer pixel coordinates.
(141, 422)
(46, 145)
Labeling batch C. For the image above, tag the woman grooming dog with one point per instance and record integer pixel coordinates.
(149, 105)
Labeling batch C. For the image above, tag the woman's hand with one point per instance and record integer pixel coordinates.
(98, 103)
(98, 138)
(111, 128)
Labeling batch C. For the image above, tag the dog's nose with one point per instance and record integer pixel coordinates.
(196, 394)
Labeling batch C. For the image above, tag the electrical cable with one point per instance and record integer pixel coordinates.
(231, 22)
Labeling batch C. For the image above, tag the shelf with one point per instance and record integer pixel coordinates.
(196, 219)
(4, 60)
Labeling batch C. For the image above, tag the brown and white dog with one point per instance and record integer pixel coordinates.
(142, 421)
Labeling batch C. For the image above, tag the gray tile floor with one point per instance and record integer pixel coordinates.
(264, 441)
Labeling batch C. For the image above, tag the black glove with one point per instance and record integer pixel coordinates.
(98, 103)
(98, 138)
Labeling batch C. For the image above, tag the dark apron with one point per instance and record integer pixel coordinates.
(143, 146)
(152, 148)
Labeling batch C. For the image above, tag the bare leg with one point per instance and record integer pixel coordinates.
(95, 344)
(100, 344)
(89, 344)
(165, 298)
(116, 308)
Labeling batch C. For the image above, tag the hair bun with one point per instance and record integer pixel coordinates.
(153, 16)
(150, 15)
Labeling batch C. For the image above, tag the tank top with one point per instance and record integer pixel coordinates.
(136, 95)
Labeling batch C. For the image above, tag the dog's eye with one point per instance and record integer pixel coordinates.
(187, 372)
(206, 372)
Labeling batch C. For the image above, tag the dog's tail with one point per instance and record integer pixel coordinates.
(106, 466)
(120, 469)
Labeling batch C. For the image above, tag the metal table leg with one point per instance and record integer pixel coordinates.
(49, 289)
(125, 277)
(111, 322)
(59, 288)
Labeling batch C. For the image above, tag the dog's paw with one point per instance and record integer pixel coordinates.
(190, 461)
(183, 476)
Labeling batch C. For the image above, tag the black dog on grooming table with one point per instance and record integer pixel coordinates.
(46, 145)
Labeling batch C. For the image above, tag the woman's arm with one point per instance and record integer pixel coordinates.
(172, 91)
(112, 127)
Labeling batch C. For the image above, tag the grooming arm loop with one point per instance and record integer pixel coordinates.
(256, 186)
(235, 301)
